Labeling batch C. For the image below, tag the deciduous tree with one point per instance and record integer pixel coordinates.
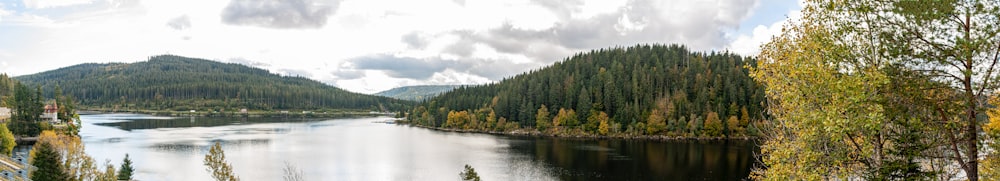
(542, 120)
(713, 126)
(7, 141)
(216, 164)
(864, 89)
(734, 126)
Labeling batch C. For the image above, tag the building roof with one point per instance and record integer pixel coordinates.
(51, 108)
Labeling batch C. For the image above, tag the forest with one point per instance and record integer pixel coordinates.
(638, 90)
(168, 82)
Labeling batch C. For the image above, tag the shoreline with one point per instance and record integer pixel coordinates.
(345, 114)
(534, 133)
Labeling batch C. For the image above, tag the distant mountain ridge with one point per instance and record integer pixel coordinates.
(417, 93)
(169, 82)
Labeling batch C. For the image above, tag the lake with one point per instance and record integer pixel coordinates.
(166, 148)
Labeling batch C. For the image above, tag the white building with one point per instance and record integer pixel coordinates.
(4, 113)
(51, 113)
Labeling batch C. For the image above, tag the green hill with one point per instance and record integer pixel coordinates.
(417, 93)
(170, 82)
(667, 87)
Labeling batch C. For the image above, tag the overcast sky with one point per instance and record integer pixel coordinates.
(372, 45)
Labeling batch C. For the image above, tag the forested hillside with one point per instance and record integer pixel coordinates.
(644, 89)
(170, 82)
(417, 93)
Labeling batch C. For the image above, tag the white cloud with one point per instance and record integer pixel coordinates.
(41, 4)
(626, 25)
(465, 42)
(180, 23)
(279, 13)
(749, 45)
(3, 12)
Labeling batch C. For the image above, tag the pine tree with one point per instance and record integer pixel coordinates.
(583, 105)
(48, 162)
(626, 83)
(469, 174)
(125, 172)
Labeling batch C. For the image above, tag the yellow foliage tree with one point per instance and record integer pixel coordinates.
(542, 120)
(556, 122)
(867, 89)
(491, 120)
(814, 105)
(713, 126)
(990, 166)
(734, 126)
(604, 128)
(657, 120)
(76, 163)
(7, 142)
(565, 117)
(216, 164)
(744, 117)
(459, 120)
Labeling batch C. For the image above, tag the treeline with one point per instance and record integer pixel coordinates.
(644, 89)
(170, 82)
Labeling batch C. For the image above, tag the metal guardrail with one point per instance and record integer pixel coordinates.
(14, 168)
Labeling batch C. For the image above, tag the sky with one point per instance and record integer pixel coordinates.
(369, 46)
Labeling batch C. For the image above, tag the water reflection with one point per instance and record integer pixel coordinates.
(364, 149)
(135, 122)
(642, 160)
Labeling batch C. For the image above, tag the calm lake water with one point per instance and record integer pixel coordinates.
(165, 148)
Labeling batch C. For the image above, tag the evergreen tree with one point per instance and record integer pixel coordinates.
(125, 172)
(584, 104)
(170, 82)
(26, 111)
(48, 163)
(695, 125)
(627, 83)
(469, 174)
